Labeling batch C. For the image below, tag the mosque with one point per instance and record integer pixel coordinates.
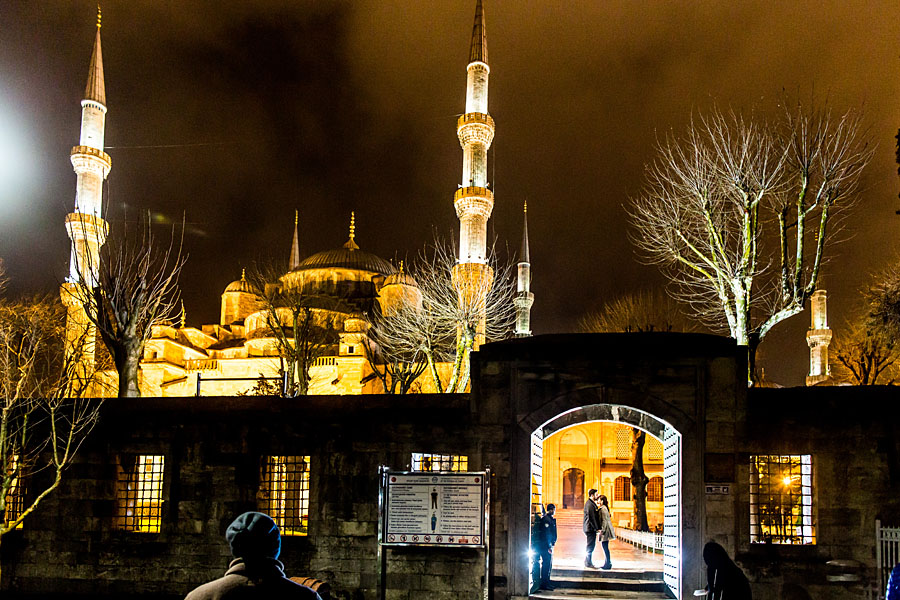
(237, 354)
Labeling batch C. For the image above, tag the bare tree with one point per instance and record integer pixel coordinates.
(133, 288)
(639, 480)
(638, 312)
(712, 195)
(462, 305)
(398, 345)
(43, 418)
(302, 323)
(864, 356)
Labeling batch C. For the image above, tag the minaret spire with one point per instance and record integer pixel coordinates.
(294, 261)
(85, 225)
(524, 298)
(474, 200)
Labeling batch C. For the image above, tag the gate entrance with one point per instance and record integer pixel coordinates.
(570, 481)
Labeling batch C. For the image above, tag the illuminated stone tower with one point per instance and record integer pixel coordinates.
(818, 337)
(85, 225)
(473, 201)
(524, 298)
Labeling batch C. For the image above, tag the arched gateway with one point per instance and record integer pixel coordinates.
(686, 390)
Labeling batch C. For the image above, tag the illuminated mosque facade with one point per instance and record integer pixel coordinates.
(230, 357)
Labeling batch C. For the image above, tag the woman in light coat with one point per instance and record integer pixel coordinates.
(606, 530)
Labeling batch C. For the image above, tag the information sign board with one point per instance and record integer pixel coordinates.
(435, 509)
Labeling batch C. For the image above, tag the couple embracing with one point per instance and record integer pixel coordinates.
(597, 519)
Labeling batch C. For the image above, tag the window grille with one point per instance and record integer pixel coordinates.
(15, 494)
(781, 499)
(139, 492)
(623, 442)
(655, 489)
(653, 449)
(284, 492)
(439, 462)
(623, 489)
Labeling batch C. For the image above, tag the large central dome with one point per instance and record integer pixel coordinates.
(346, 258)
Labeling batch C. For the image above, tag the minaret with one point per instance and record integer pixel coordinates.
(473, 201)
(85, 225)
(294, 261)
(818, 337)
(524, 298)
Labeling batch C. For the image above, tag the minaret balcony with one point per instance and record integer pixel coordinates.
(473, 200)
(86, 227)
(476, 128)
(87, 158)
(818, 337)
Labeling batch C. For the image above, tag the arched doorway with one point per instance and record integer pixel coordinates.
(671, 478)
(573, 488)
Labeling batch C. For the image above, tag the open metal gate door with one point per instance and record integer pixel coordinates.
(672, 510)
(537, 472)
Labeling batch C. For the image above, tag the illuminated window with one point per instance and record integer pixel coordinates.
(781, 499)
(439, 462)
(139, 492)
(623, 442)
(653, 449)
(284, 492)
(654, 489)
(15, 494)
(623, 489)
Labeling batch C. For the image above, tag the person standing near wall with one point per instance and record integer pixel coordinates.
(591, 526)
(725, 580)
(606, 530)
(542, 541)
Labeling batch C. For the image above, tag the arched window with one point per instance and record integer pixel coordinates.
(623, 489)
(654, 489)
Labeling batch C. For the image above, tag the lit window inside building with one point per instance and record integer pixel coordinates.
(284, 492)
(623, 489)
(624, 437)
(439, 462)
(15, 494)
(781, 499)
(139, 492)
(655, 489)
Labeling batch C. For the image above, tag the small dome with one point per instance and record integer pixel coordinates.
(400, 278)
(241, 285)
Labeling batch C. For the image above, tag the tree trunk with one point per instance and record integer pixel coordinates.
(128, 377)
(639, 481)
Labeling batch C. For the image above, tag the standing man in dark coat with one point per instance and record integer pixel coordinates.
(542, 541)
(591, 525)
(255, 572)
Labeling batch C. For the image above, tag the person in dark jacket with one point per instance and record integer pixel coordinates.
(591, 526)
(725, 580)
(542, 541)
(255, 571)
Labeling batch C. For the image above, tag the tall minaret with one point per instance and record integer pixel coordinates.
(818, 337)
(524, 298)
(294, 261)
(85, 225)
(473, 201)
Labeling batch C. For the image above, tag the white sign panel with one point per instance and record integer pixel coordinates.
(435, 509)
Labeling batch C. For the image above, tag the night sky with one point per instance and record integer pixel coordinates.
(236, 113)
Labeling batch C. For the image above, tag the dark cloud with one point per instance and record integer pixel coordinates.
(235, 114)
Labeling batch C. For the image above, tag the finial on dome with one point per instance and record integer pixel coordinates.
(243, 274)
(401, 266)
(99, 15)
(183, 315)
(351, 243)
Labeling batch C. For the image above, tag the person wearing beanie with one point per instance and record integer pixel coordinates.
(255, 571)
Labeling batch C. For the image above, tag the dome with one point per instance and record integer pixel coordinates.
(241, 285)
(346, 258)
(401, 278)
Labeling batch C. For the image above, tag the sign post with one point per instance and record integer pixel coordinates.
(433, 509)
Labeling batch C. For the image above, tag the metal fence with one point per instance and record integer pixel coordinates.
(645, 540)
(887, 553)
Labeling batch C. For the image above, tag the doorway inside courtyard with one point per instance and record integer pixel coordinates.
(605, 447)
